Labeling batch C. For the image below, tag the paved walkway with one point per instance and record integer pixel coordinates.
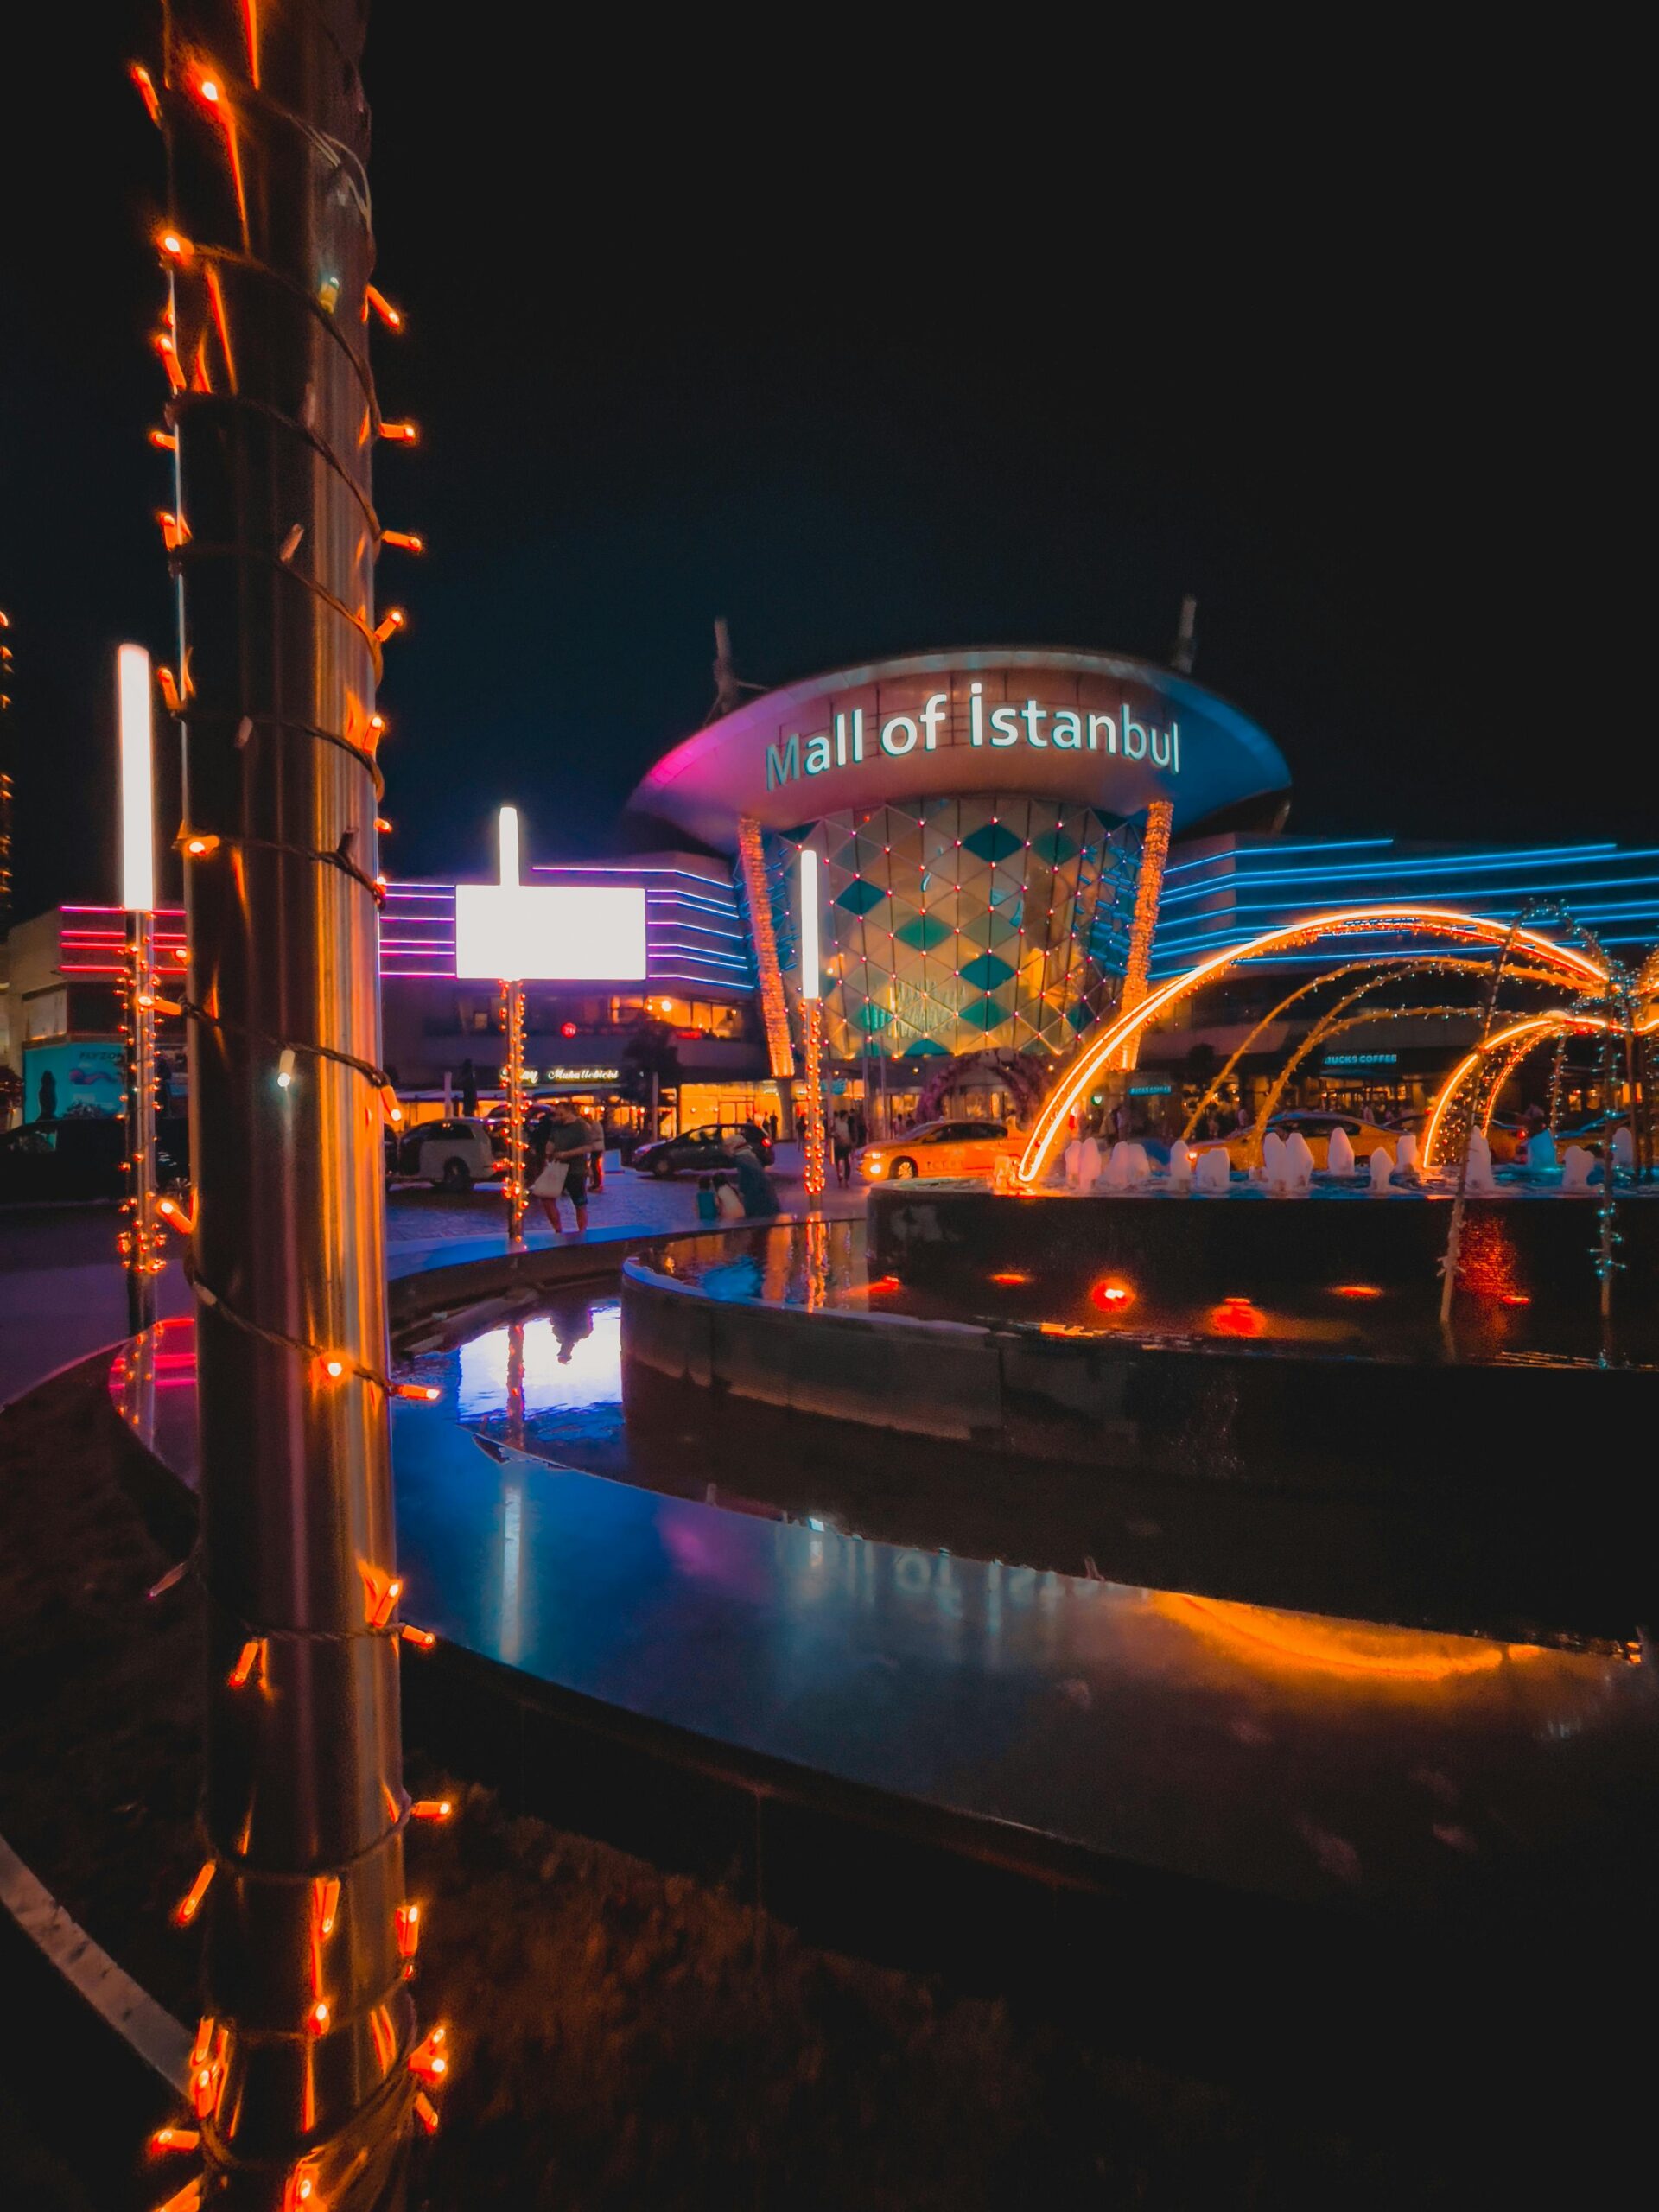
(62, 1292)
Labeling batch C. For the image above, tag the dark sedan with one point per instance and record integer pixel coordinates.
(83, 1156)
(701, 1152)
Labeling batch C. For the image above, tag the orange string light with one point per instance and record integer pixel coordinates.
(250, 1655)
(190, 1903)
(406, 538)
(381, 1592)
(168, 2139)
(421, 1638)
(221, 323)
(401, 434)
(406, 1920)
(392, 316)
(426, 2112)
(391, 621)
(428, 2061)
(146, 85)
(169, 353)
(427, 1394)
(431, 1809)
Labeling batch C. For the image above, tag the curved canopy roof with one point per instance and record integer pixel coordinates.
(1111, 731)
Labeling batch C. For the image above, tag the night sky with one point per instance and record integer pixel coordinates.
(866, 359)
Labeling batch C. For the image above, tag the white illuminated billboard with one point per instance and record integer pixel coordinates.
(562, 933)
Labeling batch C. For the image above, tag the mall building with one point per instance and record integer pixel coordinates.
(1008, 842)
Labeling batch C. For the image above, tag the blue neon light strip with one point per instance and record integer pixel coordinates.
(1391, 871)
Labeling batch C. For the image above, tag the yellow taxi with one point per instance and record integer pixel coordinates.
(940, 1148)
(1318, 1130)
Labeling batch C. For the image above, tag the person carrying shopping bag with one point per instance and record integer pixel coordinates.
(564, 1169)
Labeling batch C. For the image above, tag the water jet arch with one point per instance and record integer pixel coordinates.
(1572, 967)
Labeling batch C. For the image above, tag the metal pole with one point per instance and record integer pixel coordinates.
(517, 1201)
(140, 1245)
(300, 2073)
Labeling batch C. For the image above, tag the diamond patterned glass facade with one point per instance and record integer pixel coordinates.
(951, 924)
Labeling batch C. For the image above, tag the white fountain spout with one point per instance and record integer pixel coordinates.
(1214, 1169)
(1623, 1150)
(1575, 1168)
(1274, 1164)
(1074, 1163)
(1478, 1175)
(1182, 1159)
(1137, 1165)
(1088, 1165)
(1298, 1161)
(1381, 1170)
(1118, 1170)
(1542, 1158)
(1339, 1155)
(1405, 1157)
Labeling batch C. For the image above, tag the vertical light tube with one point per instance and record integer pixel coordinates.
(811, 980)
(133, 719)
(137, 780)
(509, 833)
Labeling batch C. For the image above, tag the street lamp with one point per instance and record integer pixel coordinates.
(139, 1245)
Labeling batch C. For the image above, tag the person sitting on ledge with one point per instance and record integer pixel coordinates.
(753, 1183)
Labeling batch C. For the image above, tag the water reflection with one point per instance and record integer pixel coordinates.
(1297, 1752)
(570, 1356)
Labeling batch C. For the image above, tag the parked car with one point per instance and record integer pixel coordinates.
(450, 1155)
(1318, 1130)
(700, 1151)
(939, 1148)
(84, 1156)
(1594, 1131)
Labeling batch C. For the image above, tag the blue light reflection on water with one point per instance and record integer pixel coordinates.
(1089, 1709)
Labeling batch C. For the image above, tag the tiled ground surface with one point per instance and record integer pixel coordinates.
(62, 1294)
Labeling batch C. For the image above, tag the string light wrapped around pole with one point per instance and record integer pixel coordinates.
(299, 2077)
(812, 1020)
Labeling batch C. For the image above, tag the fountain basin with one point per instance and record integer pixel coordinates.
(1238, 1352)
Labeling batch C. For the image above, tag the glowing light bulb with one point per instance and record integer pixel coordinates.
(209, 87)
(431, 1809)
(190, 1903)
(316, 2020)
(421, 1638)
(391, 621)
(333, 1368)
(285, 1067)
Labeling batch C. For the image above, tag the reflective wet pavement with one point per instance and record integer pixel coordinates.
(1293, 1753)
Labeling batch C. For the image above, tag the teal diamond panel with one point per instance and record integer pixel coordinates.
(859, 896)
(992, 841)
(987, 972)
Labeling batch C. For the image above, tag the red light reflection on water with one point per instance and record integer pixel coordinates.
(1237, 1317)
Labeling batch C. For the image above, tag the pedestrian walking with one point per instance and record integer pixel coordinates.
(840, 1143)
(563, 1173)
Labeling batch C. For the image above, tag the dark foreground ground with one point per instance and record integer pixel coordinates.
(627, 2037)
